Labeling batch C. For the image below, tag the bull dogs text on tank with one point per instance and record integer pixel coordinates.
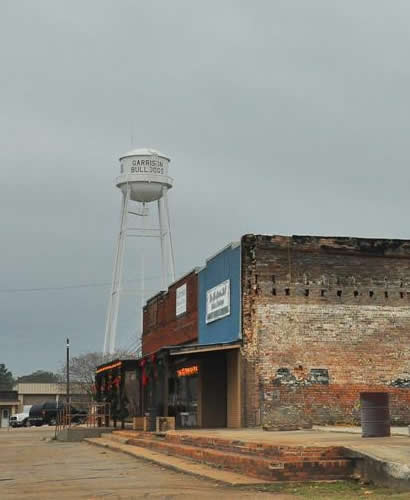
(218, 301)
(147, 167)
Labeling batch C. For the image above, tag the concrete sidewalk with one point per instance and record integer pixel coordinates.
(395, 431)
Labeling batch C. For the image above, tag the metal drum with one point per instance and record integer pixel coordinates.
(375, 414)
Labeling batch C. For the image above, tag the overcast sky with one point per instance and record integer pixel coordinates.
(283, 117)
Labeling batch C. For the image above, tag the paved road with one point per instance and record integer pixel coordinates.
(34, 467)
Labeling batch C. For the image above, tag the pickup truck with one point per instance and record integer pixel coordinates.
(20, 419)
(48, 413)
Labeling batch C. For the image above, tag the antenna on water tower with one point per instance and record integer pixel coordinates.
(144, 179)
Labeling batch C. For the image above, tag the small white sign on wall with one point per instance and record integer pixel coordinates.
(181, 300)
(218, 301)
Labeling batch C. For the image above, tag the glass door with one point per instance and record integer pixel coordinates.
(5, 415)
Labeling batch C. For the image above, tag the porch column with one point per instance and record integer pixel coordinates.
(233, 400)
(165, 386)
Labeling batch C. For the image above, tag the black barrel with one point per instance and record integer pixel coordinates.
(375, 414)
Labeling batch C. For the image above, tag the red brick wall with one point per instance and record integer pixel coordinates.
(161, 327)
(323, 320)
(340, 403)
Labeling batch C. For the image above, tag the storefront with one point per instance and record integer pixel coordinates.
(219, 338)
(170, 387)
(118, 384)
(198, 385)
(207, 385)
(183, 395)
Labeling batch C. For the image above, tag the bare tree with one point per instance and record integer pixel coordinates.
(83, 367)
(39, 376)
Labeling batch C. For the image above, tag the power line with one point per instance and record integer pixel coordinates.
(53, 288)
(68, 287)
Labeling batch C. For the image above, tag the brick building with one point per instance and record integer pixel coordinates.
(324, 319)
(163, 323)
(170, 319)
(279, 330)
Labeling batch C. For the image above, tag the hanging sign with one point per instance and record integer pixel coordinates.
(181, 300)
(218, 301)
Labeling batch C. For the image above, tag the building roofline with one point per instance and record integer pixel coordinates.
(325, 237)
(165, 292)
(382, 247)
(196, 270)
(232, 245)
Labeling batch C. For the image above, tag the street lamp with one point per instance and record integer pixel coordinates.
(68, 371)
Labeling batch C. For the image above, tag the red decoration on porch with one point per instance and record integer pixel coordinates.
(154, 366)
(145, 378)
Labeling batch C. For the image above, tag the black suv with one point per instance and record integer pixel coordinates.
(48, 413)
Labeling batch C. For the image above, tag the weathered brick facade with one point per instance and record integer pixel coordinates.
(324, 319)
(161, 326)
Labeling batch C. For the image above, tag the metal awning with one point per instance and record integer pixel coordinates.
(197, 349)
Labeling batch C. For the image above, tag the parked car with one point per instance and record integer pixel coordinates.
(20, 419)
(48, 413)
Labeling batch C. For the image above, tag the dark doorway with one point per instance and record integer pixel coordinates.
(213, 390)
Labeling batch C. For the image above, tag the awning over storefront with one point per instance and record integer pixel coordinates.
(200, 348)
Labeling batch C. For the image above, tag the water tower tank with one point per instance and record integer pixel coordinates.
(146, 172)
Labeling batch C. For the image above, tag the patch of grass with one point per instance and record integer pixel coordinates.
(336, 490)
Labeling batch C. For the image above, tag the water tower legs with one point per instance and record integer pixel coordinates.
(170, 247)
(114, 300)
(162, 240)
(167, 252)
(167, 259)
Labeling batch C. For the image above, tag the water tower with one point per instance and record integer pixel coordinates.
(143, 180)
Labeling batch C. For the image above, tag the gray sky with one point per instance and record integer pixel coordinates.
(287, 117)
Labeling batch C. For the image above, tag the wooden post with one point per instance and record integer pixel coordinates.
(142, 393)
(165, 384)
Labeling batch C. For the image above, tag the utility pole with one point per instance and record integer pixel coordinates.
(68, 371)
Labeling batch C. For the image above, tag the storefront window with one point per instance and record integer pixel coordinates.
(183, 396)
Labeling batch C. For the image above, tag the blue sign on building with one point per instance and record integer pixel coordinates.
(219, 300)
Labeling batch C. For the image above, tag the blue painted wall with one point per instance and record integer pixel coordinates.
(225, 265)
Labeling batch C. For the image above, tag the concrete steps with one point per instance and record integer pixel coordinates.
(177, 463)
(261, 461)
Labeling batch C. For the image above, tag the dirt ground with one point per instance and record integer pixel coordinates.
(34, 467)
